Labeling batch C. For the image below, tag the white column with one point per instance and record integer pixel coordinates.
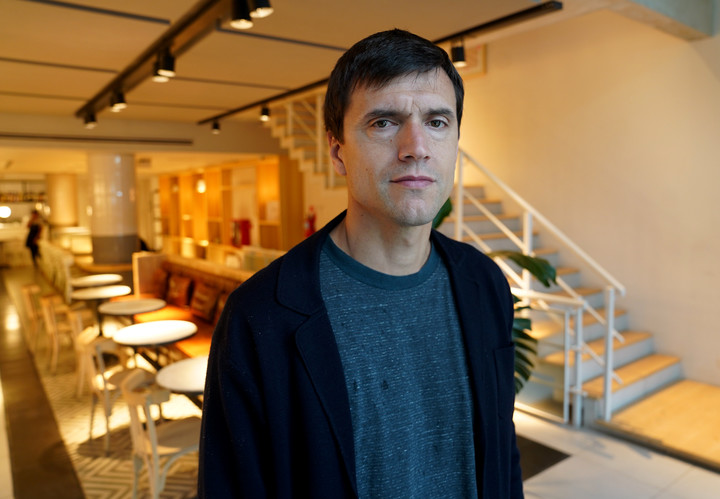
(62, 199)
(113, 219)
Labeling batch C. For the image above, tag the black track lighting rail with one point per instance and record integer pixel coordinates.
(517, 17)
(189, 29)
(502, 22)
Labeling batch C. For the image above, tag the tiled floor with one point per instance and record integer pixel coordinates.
(598, 465)
(602, 467)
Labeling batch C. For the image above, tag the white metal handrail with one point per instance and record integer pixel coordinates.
(612, 286)
(572, 342)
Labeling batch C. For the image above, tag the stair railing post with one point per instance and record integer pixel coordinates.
(609, 363)
(528, 249)
(567, 348)
(459, 197)
(577, 351)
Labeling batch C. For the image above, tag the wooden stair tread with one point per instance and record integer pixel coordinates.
(632, 373)
(545, 329)
(496, 235)
(598, 346)
(581, 290)
(565, 270)
(539, 252)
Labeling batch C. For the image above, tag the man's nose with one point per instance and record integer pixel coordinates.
(413, 142)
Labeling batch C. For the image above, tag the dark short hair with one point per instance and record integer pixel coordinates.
(377, 60)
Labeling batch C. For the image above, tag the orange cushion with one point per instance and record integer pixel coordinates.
(203, 301)
(160, 283)
(178, 292)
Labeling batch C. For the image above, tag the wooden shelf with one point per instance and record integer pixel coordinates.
(204, 205)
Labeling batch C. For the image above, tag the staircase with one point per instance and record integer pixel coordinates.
(573, 322)
(298, 124)
(589, 363)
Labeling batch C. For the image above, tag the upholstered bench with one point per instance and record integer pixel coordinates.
(195, 290)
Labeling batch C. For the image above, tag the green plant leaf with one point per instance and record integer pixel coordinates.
(524, 358)
(521, 323)
(538, 267)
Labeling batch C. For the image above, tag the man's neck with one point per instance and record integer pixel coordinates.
(388, 249)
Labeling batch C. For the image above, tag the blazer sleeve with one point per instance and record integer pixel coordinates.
(233, 455)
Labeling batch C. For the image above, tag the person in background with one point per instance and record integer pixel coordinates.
(375, 358)
(34, 232)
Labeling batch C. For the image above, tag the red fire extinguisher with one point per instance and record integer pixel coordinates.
(310, 222)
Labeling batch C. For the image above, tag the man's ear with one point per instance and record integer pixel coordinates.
(336, 155)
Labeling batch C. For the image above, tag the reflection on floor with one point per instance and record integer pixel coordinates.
(558, 462)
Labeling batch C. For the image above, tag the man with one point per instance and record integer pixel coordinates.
(375, 358)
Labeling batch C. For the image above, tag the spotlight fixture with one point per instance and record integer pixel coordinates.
(457, 54)
(117, 102)
(165, 64)
(157, 77)
(240, 18)
(90, 121)
(261, 8)
(264, 113)
(215, 127)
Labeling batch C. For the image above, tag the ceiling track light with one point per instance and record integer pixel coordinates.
(260, 8)
(157, 77)
(264, 113)
(90, 121)
(457, 54)
(240, 17)
(117, 102)
(216, 127)
(166, 63)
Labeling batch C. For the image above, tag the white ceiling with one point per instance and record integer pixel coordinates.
(55, 56)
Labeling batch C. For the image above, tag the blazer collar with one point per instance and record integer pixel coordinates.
(302, 265)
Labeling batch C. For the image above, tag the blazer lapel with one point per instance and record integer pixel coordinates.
(316, 343)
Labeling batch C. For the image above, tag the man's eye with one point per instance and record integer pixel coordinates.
(381, 124)
(436, 123)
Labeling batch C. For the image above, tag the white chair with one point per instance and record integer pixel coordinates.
(104, 381)
(30, 293)
(82, 336)
(55, 326)
(152, 443)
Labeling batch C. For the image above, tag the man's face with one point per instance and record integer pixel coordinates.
(401, 143)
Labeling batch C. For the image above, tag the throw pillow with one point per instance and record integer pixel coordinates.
(160, 283)
(203, 301)
(178, 292)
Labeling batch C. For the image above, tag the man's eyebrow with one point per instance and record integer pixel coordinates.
(391, 113)
(442, 111)
(381, 113)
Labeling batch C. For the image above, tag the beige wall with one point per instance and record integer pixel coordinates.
(612, 130)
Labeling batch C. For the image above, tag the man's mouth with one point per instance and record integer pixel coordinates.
(413, 181)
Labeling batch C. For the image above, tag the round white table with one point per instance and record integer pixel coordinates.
(96, 294)
(154, 334)
(131, 307)
(184, 376)
(95, 280)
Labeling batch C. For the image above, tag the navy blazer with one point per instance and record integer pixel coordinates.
(276, 416)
